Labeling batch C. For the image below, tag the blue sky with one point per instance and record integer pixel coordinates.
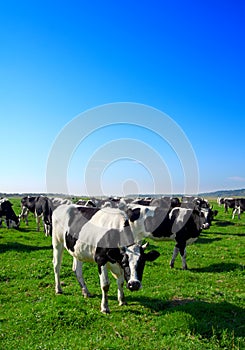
(61, 58)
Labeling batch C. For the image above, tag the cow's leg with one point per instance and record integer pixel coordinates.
(104, 285)
(118, 273)
(77, 268)
(174, 256)
(239, 212)
(58, 249)
(120, 293)
(38, 222)
(235, 210)
(183, 257)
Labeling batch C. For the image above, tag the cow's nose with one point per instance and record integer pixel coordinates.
(205, 226)
(134, 285)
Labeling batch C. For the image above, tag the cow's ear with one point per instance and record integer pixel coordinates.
(133, 214)
(152, 255)
(114, 255)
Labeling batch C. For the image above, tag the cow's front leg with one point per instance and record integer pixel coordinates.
(120, 292)
(104, 285)
(77, 268)
(118, 273)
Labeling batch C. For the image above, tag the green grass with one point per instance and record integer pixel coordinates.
(201, 308)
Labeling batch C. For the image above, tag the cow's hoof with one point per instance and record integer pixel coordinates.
(86, 294)
(121, 303)
(105, 311)
(59, 292)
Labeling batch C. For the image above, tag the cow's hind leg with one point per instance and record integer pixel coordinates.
(174, 256)
(58, 249)
(105, 285)
(183, 257)
(77, 268)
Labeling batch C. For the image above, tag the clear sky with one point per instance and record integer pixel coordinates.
(62, 58)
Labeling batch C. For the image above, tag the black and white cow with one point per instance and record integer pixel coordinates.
(239, 207)
(7, 212)
(202, 205)
(183, 225)
(229, 203)
(41, 207)
(94, 235)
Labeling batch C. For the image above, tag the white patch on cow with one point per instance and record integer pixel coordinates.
(138, 226)
(183, 215)
(133, 253)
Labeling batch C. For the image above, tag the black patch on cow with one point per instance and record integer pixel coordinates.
(87, 212)
(126, 223)
(133, 214)
(70, 241)
(78, 218)
(159, 225)
(104, 255)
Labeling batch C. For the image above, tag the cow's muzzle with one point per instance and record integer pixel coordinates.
(134, 285)
(205, 226)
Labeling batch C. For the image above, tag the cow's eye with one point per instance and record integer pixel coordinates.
(125, 261)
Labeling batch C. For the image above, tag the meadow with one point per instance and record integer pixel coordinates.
(201, 308)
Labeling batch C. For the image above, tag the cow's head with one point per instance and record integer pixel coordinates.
(133, 263)
(132, 259)
(207, 215)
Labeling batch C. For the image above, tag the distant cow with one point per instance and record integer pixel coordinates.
(166, 202)
(41, 207)
(94, 235)
(228, 203)
(239, 207)
(86, 203)
(7, 212)
(180, 224)
(56, 201)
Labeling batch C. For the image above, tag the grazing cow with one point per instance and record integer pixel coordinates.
(183, 225)
(40, 206)
(239, 207)
(7, 212)
(94, 235)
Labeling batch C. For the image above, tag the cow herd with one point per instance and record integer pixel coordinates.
(110, 232)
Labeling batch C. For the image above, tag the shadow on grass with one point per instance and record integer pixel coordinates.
(206, 240)
(209, 317)
(220, 267)
(21, 247)
(223, 223)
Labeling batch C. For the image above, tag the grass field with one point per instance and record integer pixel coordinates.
(201, 308)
